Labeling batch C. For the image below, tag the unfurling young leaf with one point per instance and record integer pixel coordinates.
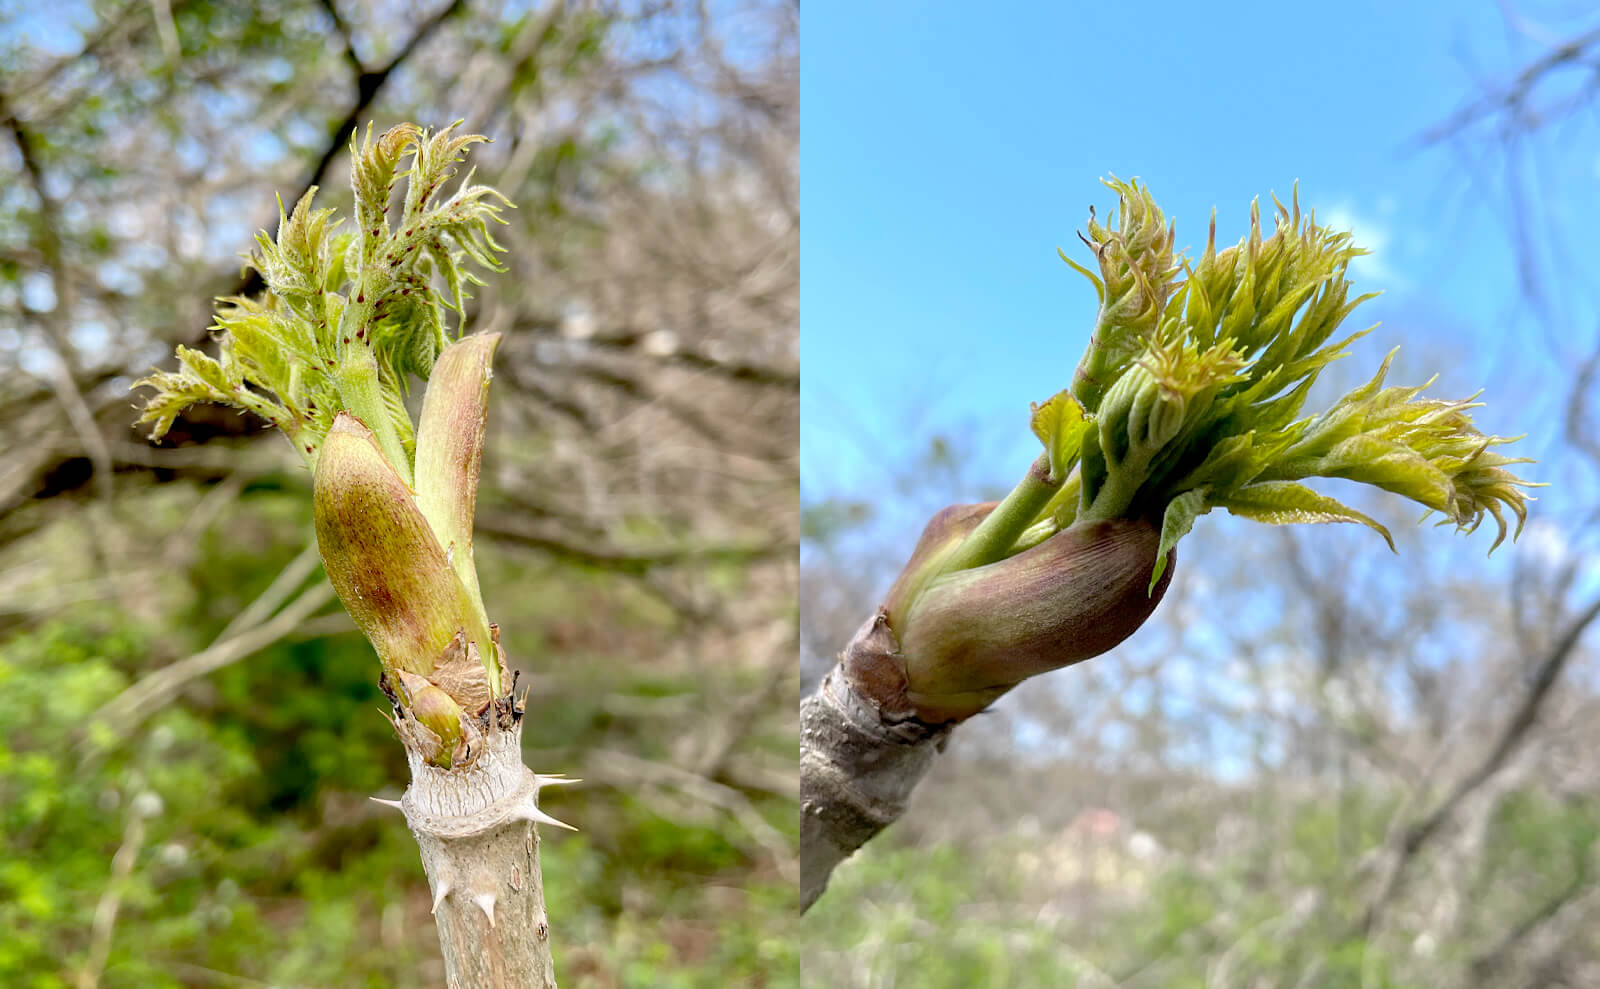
(1176, 521)
(1190, 397)
(1059, 424)
(349, 317)
(1196, 375)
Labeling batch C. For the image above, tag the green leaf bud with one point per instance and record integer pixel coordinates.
(440, 714)
(450, 435)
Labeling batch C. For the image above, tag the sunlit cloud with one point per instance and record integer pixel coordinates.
(1545, 542)
(1375, 269)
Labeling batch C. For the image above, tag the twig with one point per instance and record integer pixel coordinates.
(128, 709)
(114, 27)
(1578, 409)
(724, 734)
(276, 593)
(759, 374)
(1403, 851)
(368, 86)
(1513, 97)
(105, 912)
(182, 544)
(167, 30)
(369, 82)
(220, 978)
(62, 594)
(59, 321)
(621, 769)
(1485, 964)
(625, 561)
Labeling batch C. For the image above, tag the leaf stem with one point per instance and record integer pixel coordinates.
(995, 536)
(1063, 505)
(1116, 493)
(362, 395)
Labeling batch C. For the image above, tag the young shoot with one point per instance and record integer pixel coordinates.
(1190, 397)
(351, 313)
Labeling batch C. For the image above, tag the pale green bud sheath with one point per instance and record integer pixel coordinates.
(450, 434)
(381, 554)
(441, 715)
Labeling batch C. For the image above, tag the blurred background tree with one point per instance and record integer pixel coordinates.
(1319, 764)
(189, 725)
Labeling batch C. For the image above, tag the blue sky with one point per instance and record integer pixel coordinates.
(947, 153)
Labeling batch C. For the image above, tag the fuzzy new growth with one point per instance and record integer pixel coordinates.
(1188, 398)
(349, 316)
(327, 355)
(1190, 394)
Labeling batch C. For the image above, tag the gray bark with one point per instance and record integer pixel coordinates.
(866, 739)
(475, 825)
(858, 766)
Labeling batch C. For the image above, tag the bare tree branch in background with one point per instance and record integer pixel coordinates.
(1413, 837)
(1495, 136)
(256, 627)
(709, 336)
(52, 456)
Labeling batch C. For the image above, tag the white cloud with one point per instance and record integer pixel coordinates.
(1545, 542)
(1374, 269)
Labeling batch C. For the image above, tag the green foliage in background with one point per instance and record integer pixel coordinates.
(215, 860)
(1051, 911)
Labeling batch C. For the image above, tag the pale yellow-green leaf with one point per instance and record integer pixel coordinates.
(1286, 503)
(1060, 425)
(1176, 522)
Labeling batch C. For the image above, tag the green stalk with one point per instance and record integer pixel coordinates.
(1063, 506)
(312, 357)
(996, 535)
(362, 394)
(1117, 493)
